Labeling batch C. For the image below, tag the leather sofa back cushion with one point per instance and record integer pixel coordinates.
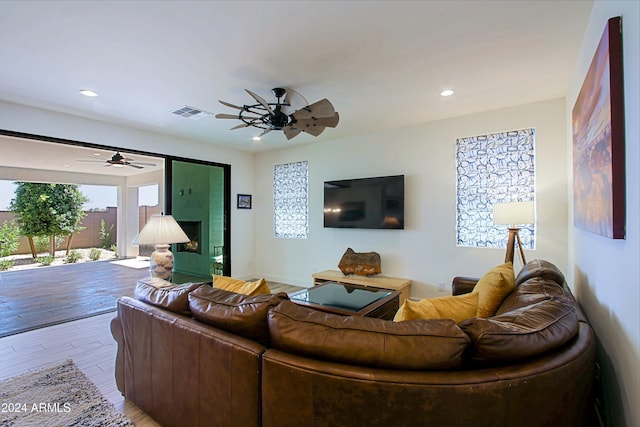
(521, 333)
(411, 345)
(163, 294)
(530, 292)
(240, 314)
(541, 269)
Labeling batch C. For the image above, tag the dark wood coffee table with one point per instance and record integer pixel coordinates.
(349, 300)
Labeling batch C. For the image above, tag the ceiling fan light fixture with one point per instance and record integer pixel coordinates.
(291, 114)
(88, 92)
(256, 138)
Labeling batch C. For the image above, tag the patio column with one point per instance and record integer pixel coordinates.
(128, 225)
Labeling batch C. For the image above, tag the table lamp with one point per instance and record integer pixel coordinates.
(161, 231)
(514, 214)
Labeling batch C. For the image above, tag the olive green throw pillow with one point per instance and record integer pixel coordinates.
(458, 308)
(493, 288)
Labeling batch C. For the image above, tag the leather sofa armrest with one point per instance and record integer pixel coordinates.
(116, 332)
(463, 285)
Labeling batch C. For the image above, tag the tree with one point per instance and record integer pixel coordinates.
(48, 210)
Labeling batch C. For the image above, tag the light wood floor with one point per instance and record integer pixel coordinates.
(89, 343)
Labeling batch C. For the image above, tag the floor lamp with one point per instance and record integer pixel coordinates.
(514, 214)
(161, 231)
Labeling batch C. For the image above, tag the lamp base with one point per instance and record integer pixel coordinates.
(513, 240)
(161, 262)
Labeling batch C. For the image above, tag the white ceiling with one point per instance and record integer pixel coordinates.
(25, 153)
(381, 63)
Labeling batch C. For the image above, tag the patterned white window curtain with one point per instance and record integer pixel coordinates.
(496, 168)
(290, 200)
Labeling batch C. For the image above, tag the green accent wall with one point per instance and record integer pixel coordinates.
(198, 197)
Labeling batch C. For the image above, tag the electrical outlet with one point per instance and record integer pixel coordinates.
(440, 286)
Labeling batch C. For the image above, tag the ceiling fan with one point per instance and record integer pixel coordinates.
(118, 160)
(292, 115)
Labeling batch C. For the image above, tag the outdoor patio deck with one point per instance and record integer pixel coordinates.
(44, 296)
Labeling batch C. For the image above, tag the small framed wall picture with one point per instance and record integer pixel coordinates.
(244, 201)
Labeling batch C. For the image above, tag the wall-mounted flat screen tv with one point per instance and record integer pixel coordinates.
(365, 203)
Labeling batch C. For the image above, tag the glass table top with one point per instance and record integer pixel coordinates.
(337, 295)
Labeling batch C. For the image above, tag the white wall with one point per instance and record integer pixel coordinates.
(25, 119)
(606, 273)
(426, 250)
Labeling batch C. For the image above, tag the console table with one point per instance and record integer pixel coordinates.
(377, 281)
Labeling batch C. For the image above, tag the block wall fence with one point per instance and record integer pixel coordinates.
(90, 236)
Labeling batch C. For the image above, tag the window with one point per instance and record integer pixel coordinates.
(290, 200)
(494, 168)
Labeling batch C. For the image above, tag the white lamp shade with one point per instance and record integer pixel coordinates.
(161, 229)
(514, 213)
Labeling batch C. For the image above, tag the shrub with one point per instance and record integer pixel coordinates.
(6, 264)
(74, 256)
(105, 236)
(45, 260)
(9, 234)
(94, 254)
(41, 243)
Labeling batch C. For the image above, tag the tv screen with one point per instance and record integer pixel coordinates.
(365, 203)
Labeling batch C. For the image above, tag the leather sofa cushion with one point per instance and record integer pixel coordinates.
(521, 333)
(412, 345)
(240, 314)
(530, 292)
(164, 294)
(540, 269)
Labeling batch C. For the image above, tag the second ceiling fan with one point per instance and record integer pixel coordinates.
(118, 160)
(291, 114)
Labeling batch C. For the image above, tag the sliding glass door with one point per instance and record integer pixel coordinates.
(198, 198)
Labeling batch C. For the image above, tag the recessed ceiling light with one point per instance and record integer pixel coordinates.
(446, 92)
(97, 154)
(89, 92)
(256, 138)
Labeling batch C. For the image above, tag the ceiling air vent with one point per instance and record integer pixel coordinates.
(192, 113)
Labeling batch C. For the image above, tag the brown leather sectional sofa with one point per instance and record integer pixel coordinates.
(264, 361)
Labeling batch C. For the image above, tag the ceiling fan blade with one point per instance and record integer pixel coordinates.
(291, 132)
(314, 130)
(134, 166)
(322, 108)
(295, 102)
(266, 131)
(242, 125)
(322, 121)
(230, 105)
(261, 101)
(227, 116)
(143, 163)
